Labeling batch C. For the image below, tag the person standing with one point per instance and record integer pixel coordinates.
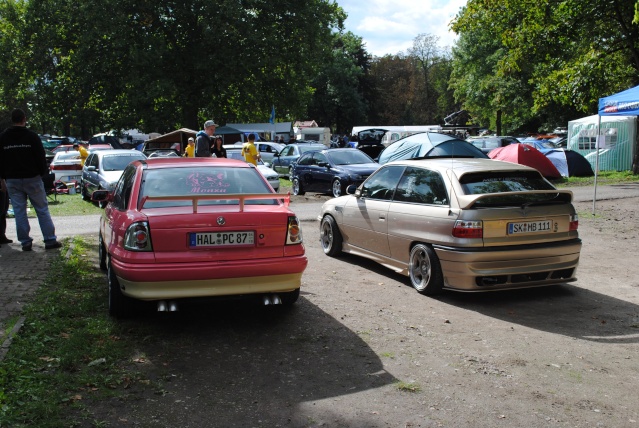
(84, 153)
(22, 165)
(4, 207)
(249, 151)
(218, 148)
(203, 140)
(189, 150)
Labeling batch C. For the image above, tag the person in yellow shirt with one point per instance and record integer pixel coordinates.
(84, 153)
(189, 150)
(249, 151)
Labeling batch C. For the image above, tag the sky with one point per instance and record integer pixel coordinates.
(389, 27)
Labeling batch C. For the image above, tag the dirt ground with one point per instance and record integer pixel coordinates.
(361, 348)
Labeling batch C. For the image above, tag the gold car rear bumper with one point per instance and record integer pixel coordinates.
(508, 268)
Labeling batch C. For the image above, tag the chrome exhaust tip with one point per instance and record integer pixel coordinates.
(173, 307)
(162, 306)
(266, 300)
(276, 300)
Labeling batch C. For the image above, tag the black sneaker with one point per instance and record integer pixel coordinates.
(51, 246)
(5, 240)
(26, 247)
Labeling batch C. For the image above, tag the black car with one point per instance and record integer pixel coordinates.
(331, 171)
(283, 161)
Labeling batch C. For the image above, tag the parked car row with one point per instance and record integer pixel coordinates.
(176, 228)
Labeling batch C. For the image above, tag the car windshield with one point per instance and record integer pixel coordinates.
(506, 181)
(181, 181)
(348, 157)
(118, 163)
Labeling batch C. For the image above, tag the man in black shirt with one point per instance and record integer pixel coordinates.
(22, 165)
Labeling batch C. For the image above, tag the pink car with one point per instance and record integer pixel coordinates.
(177, 228)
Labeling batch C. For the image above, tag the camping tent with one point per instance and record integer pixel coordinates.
(524, 154)
(429, 144)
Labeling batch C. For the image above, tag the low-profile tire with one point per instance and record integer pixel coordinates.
(424, 270)
(297, 187)
(119, 304)
(330, 236)
(337, 189)
(289, 298)
(102, 253)
(290, 172)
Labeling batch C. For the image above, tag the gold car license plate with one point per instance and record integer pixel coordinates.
(221, 239)
(529, 227)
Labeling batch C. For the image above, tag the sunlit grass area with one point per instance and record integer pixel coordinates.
(603, 178)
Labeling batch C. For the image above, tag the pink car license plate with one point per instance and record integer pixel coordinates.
(217, 239)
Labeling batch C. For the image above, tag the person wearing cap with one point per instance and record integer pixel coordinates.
(249, 151)
(22, 165)
(189, 150)
(203, 140)
(84, 153)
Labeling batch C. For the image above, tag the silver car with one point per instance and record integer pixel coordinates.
(103, 169)
(459, 224)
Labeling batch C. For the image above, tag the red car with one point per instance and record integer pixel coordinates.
(177, 228)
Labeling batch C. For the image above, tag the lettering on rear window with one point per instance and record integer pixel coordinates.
(208, 183)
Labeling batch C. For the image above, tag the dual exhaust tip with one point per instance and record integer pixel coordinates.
(171, 305)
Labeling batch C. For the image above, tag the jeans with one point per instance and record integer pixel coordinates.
(4, 206)
(33, 188)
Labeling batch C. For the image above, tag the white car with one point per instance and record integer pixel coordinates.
(235, 152)
(66, 166)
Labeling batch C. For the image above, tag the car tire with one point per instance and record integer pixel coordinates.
(102, 204)
(119, 304)
(83, 192)
(337, 189)
(102, 253)
(290, 172)
(424, 270)
(289, 298)
(330, 236)
(297, 187)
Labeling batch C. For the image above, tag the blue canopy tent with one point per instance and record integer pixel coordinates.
(625, 103)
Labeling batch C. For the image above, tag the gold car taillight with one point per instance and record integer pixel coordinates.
(574, 222)
(468, 229)
(137, 237)
(294, 232)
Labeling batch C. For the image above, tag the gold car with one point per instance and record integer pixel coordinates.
(459, 224)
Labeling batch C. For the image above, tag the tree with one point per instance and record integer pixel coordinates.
(158, 65)
(339, 89)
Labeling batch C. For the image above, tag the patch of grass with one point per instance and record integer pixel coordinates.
(408, 386)
(65, 205)
(47, 373)
(603, 178)
(387, 355)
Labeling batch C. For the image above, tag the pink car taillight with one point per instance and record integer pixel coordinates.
(574, 222)
(468, 229)
(137, 237)
(294, 233)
